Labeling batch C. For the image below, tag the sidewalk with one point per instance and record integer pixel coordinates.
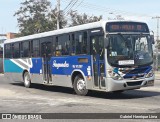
(157, 74)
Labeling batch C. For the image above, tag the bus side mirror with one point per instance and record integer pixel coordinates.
(106, 42)
(152, 39)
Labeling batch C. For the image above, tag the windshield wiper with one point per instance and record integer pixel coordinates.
(127, 45)
(122, 37)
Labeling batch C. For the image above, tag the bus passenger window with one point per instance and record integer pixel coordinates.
(16, 50)
(54, 47)
(84, 47)
(35, 48)
(81, 43)
(66, 44)
(73, 50)
(8, 51)
(57, 53)
(25, 49)
(62, 45)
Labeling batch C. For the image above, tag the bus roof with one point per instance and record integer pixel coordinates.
(65, 30)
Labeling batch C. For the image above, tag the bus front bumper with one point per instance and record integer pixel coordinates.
(128, 84)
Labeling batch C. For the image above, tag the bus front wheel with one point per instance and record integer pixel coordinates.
(79, 85)
(27, 80)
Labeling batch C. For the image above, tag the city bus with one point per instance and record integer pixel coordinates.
(109, 56)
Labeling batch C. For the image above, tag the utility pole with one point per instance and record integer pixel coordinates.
(58, 14)
(157, 17)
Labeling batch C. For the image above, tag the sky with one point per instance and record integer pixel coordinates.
(140, 10)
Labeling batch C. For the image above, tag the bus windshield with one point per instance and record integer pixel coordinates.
(129, 50)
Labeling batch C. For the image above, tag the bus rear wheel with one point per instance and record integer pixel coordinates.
(27, 80)
(79, 85)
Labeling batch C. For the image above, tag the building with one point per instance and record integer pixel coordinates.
(10, 35)
(6, 36)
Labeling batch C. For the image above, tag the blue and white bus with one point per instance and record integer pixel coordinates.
(110, 56)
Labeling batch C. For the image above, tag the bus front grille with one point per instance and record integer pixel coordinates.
(136, 83)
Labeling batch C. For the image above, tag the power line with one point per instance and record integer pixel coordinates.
(104, 9)
(108, 10)
(73, 2)
(71, 7)
(79, 4)
(87, 5)
(68, 5)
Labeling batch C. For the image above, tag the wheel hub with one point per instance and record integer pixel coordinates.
(27, 80)
(81, 85)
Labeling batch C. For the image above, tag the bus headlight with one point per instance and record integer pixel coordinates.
(115, 76)
(150, 74)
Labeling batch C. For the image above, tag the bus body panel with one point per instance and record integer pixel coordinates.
(11, 76)
(17, 65)
(36, 66)
(36, 78)
(49, 68)
(62, 80)
(11, 67)
(62, 69)
(66, 65)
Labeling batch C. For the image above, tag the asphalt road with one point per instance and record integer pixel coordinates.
(14, 97)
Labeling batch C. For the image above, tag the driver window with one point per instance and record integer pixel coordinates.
(118, 46)
(142, 44)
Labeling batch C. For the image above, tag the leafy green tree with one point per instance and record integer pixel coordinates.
(36, 16)
(78, 19)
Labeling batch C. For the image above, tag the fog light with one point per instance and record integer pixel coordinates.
(124, 85)
(151, 82)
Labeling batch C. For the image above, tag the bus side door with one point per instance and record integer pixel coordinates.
(97, 52)
(46, 52)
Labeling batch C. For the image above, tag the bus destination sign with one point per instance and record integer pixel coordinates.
(127, 27)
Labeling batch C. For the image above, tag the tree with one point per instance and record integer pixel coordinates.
(77, 19)
(63, 21)
(36, 16)
(158, 44)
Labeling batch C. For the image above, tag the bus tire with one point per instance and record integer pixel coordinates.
(27, 80)
(79, 85)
